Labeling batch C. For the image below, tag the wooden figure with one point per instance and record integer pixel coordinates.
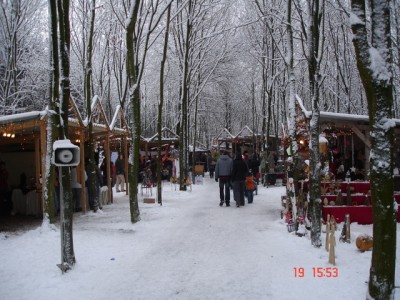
(332, 244)
(333, 222)
(339, 198)
(328, 225)
(347, 233)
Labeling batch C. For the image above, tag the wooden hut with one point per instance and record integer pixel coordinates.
(23, 142)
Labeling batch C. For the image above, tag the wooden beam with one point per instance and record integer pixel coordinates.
(361, 136)
(37, 173)
(82, 171)
(108, 168)
(43, 147)
(37, 162)
(125, 149)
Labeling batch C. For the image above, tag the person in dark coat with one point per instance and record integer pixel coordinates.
(210, 165)
(254, 167)
(239, 172)
(120, 173)
(223, 170)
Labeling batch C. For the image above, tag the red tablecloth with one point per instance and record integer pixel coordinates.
(358, 186)
(360, 214)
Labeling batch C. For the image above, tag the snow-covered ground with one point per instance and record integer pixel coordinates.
(189, 248)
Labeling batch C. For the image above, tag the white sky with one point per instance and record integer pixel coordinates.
(189, 248)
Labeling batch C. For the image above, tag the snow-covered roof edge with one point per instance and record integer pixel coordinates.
(76, 110)
(243, 129)
(175, 136)
(96, 101)
(23, 116)
(226, 131)
(338, 116)
(115, 117)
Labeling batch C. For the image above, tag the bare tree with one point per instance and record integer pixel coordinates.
(313, 31)
(141, 21)
(53, 120)
(22, 56)
(94, 195)
(68, 256)
(372, 43)
(161, 104)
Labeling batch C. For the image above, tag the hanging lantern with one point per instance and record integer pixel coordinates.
(323, 144)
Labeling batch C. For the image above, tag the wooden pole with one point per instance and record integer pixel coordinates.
(82, 171)
(108, 168)
(42, 165)
(125, 146)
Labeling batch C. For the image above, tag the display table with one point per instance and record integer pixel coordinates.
(361, 214)
(357, 187)
(356, 199)
(25, 204)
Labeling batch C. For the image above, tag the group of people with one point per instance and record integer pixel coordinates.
(237, 172)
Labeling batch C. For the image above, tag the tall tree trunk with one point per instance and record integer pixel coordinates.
(374, 62)
(292, 110)
(88, 98)
(183, 136)
(134, 102)
(65, 180)
(316, 8)
(161, 104)
(52, 120)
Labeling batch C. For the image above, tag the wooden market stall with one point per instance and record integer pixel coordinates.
(245, 138)
(345, 149)
(23, 142)
(22, 148)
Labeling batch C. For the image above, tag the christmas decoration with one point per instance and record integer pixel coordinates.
(345, 235)
(339, 198)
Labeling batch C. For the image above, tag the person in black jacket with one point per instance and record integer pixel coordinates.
(239, 172)
(254, 167)
(120, 172)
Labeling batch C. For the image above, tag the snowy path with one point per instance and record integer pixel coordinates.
(189, 248)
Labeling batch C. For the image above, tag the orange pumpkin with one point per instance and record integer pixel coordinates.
(364, 242)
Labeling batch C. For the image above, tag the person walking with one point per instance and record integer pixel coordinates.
(223, 170)
(254, 167)
(211, 165)
(120, 173)
(239, 172)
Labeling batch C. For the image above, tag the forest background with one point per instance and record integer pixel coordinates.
(229, 64)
